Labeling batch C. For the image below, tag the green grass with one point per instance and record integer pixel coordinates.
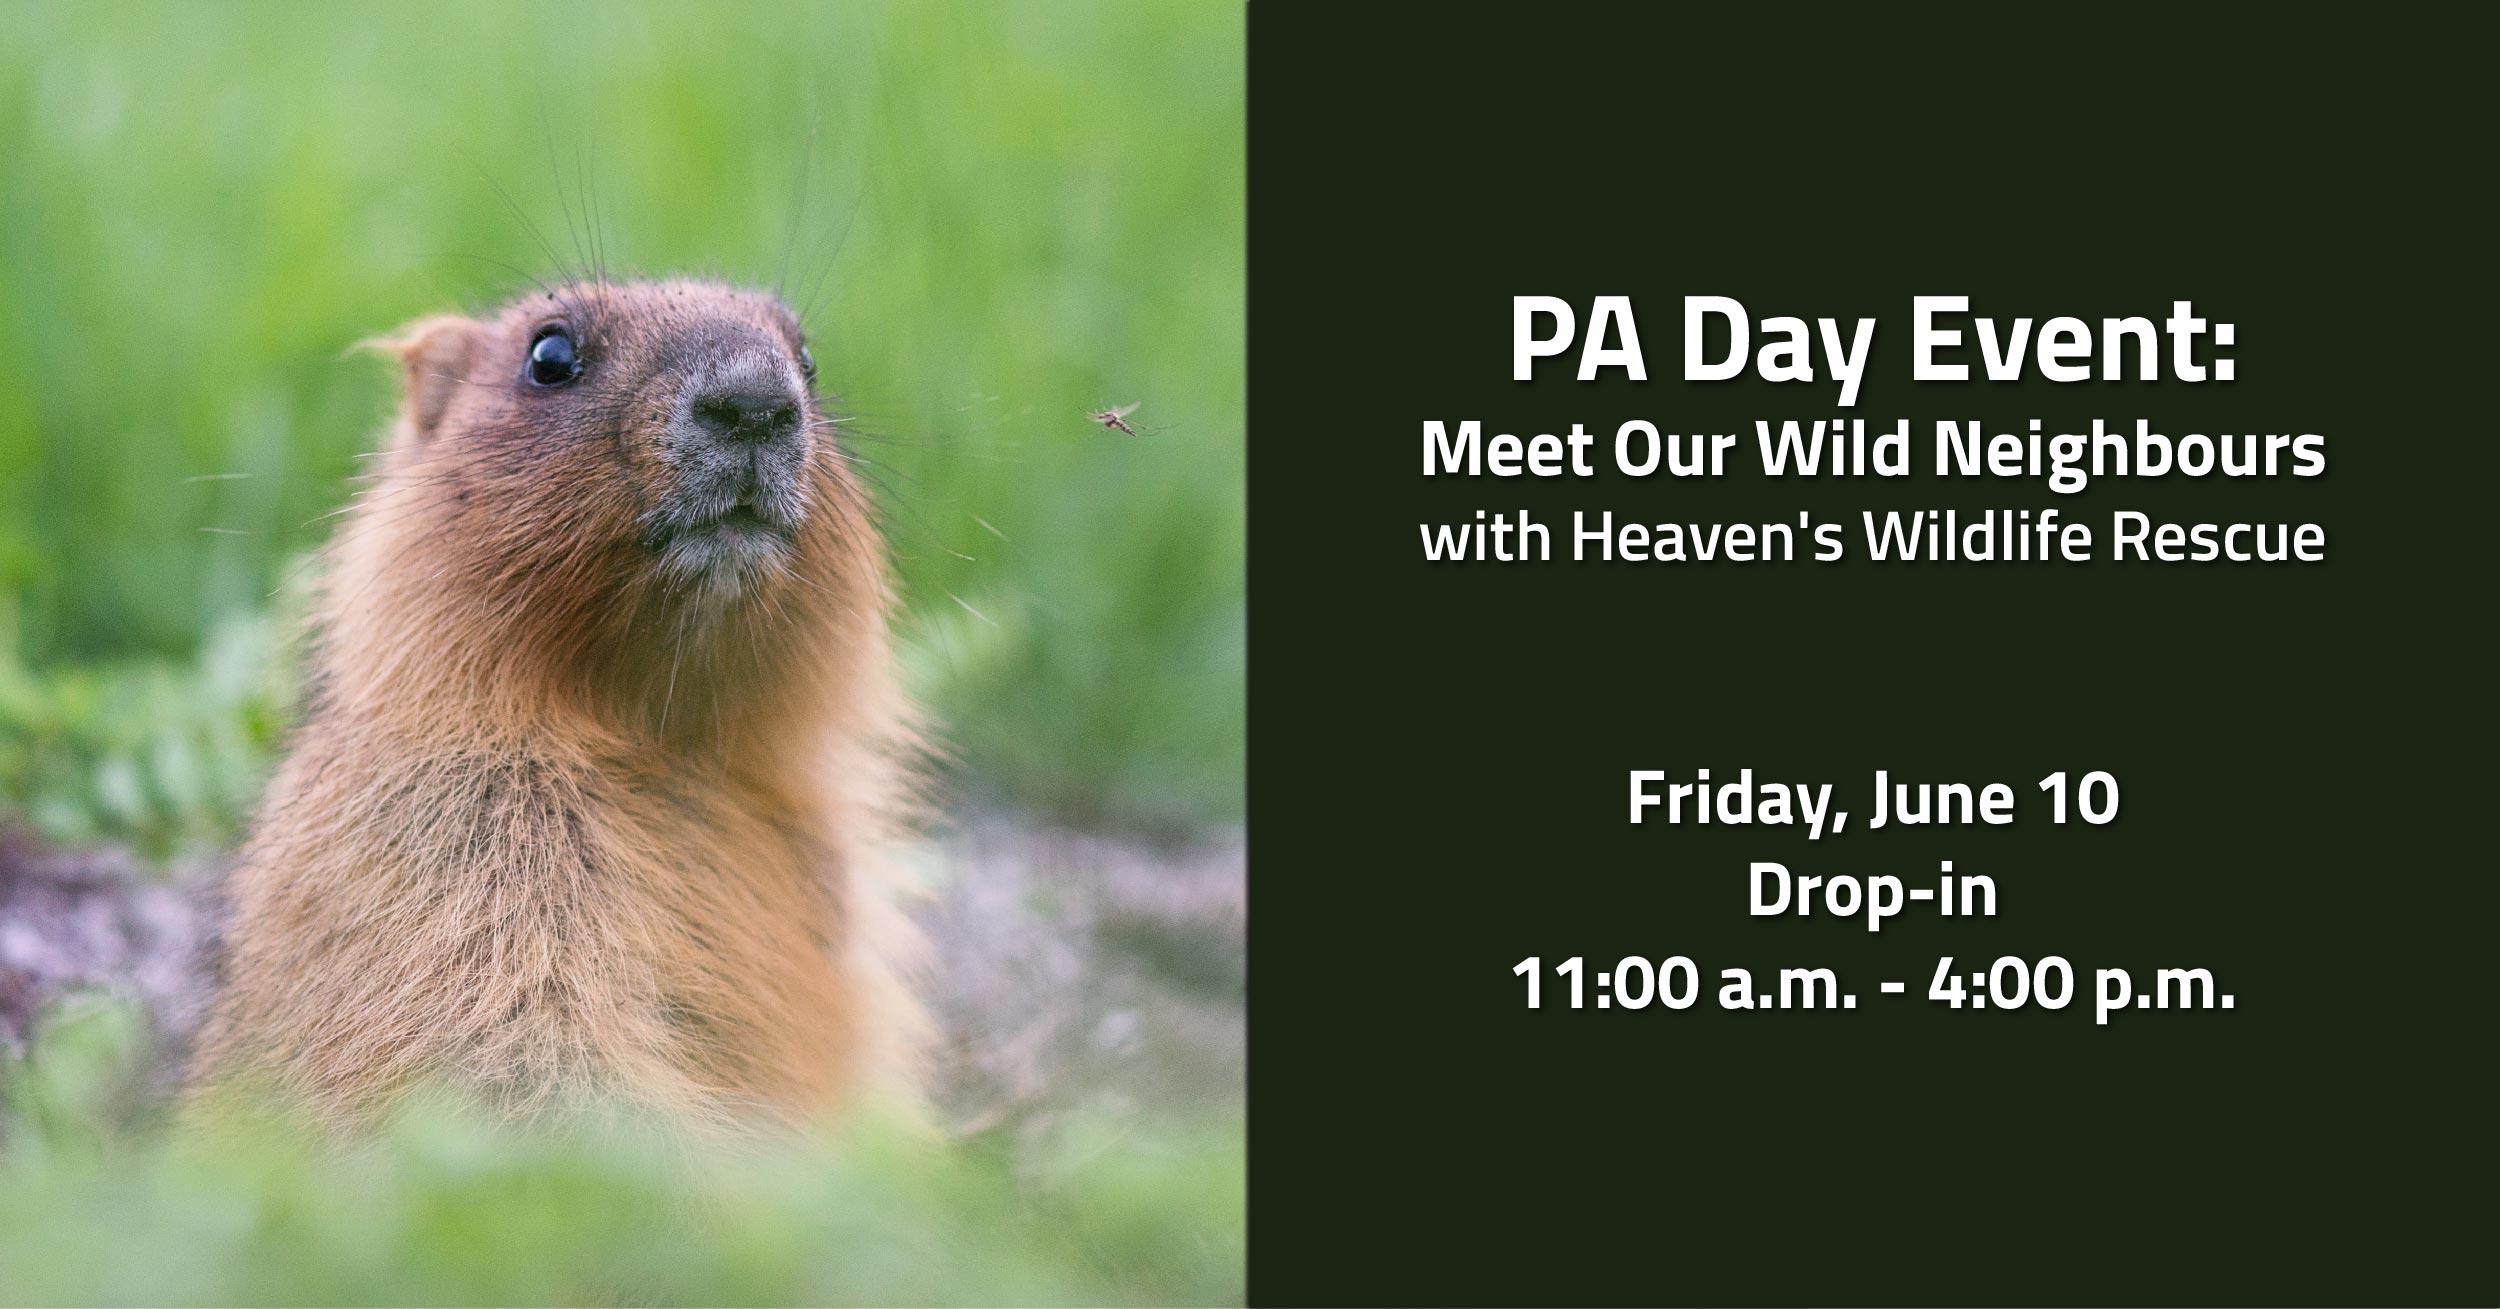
(162, 756)
(1016, 214)
(439, 1210)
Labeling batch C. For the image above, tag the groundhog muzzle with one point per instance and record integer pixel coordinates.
(601, 745)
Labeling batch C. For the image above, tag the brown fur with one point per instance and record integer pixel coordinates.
(555, 826)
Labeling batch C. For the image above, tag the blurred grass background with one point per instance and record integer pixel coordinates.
(1008, 216)
(441, 1210)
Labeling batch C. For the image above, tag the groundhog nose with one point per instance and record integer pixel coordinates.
(747, 412)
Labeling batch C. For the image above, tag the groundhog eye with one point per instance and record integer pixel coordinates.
(553, 359)
(807, 363)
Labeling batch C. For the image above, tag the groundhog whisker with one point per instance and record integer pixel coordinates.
(514, 269)
(598, 231)
(848, 430)
(372, 495)
(875, 474)
(798, 208)
(448, 379)
(825, 265)
(670, 699)
(555, 170)
(850, 433)
(818, 587)
(967, 606)
(400, 512)
(572, 305)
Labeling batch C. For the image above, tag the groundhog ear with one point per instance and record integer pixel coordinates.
(433, 358)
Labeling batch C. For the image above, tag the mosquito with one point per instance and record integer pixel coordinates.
(1117, 418)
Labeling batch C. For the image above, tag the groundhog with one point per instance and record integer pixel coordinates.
(602, 743)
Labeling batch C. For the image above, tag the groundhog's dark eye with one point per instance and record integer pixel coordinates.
(807, 363)
(553, 360)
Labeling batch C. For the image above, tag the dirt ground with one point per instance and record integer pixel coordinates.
(1070, 971)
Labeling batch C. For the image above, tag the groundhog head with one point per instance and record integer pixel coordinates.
(700, 396)
(622, 468)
